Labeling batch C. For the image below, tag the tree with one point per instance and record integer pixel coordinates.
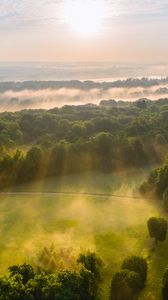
(102, 144)
(125, 284)
(162, 180)
(26, 271)
(165, 285)
(165, 199)
(43, 286)
(138, 152)
(91, 263)
(77, 286)
(157, 229)
(88, 285)
(31, 164)
(136, 264)
(24, 283)
(157, 182)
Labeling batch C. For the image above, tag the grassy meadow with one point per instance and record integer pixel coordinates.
(114, 227)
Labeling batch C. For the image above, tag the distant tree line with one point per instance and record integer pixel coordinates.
(82, 85)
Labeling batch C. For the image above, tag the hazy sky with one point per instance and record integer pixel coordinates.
(88, 30)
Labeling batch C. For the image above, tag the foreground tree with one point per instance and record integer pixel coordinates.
(165, 199)
(130, 280)
(165, 285)
(24, 283)
(125, 284)
(91, 263)
(157, 229)
(25, 271)
(136, 264)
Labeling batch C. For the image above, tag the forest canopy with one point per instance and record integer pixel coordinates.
(107, 137)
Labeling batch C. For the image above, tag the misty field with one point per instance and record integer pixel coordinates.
(114, 227)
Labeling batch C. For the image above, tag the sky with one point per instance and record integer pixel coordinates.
(120, 31)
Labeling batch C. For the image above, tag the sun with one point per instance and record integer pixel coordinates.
(84, 16)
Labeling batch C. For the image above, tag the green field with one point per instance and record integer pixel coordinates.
(114, 227)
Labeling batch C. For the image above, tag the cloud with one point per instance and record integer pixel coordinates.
(36, 30)
(126, 7)
(15, 13)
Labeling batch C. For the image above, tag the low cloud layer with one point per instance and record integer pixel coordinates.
(32, 95)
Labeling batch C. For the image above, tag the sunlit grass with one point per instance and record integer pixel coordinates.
(123, 183)
(113, 227)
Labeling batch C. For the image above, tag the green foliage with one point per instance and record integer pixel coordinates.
(79, 286)
(157, 183)
(26, 271)
(130, 280)
(125, 284)
(136, 264)
(162, 180)
(73, 139)
(165, 199)
(157, 228)
(31, 164)
(91, 263)
(165, 285)
(23, 283)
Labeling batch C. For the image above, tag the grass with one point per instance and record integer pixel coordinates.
(123, 183)
(113, 227)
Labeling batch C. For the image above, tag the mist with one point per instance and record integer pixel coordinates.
(46, 95)
(67, 225)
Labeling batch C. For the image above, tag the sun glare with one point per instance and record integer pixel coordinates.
(85, 17)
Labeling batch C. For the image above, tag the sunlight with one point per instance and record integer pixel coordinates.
(84, 17)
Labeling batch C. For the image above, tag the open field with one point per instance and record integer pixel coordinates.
(114, 227)
(120, 183)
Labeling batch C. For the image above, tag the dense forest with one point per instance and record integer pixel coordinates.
(107, 137)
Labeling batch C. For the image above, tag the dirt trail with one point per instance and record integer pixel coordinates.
(104, 195)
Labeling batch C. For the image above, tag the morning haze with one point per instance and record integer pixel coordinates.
(83, 150)
(96, 30)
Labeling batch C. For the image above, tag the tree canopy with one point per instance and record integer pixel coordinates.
(157, 229)
(108, 137)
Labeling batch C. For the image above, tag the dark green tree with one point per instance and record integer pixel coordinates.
(23, 283)
(125, 284)
(31, 165)
(136, 264)
(157, 229)
(91, 263)
(26, 271)
(165, 285)
(165, 199)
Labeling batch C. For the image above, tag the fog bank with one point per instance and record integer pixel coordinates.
(16, 96)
